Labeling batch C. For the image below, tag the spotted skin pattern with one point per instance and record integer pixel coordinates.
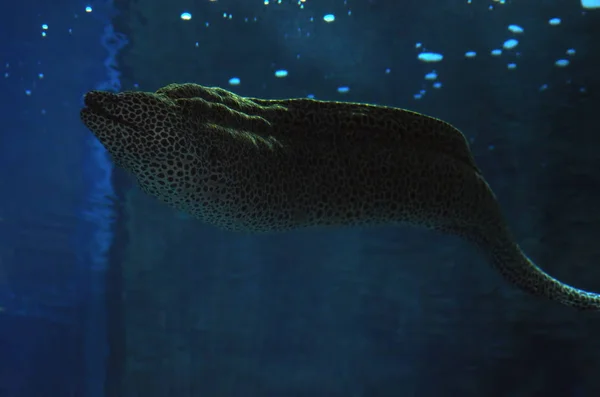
(256, 165)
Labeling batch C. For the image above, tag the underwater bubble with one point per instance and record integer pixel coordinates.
(343, 89)
(281, 73)
(510, 44)
(437, 85)
(329, 18)
(186, 16)
(430, 57)
(88, 9)
(561, 63)
(511, 66)
(470, 54)
(234, 81)
(554, 21)
(496, 52)
(431, 75)
(571, 51)
(515, 28)
(590, 4)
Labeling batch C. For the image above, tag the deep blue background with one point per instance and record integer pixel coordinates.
(51, 333)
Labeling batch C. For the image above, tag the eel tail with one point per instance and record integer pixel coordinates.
(519, 270)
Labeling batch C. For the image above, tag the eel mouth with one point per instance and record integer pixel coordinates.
(94, 104)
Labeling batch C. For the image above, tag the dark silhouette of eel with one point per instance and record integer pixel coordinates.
(258, 165)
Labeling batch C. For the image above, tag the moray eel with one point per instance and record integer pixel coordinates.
(257, 165)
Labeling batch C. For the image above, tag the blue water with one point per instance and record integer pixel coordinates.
(323, 332)
(56, 202)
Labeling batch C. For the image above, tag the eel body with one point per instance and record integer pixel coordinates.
(259, 165)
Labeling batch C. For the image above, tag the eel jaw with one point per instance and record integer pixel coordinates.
(99, 104)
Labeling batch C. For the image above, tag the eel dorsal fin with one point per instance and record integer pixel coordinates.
(399, 127)
(403, 127)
